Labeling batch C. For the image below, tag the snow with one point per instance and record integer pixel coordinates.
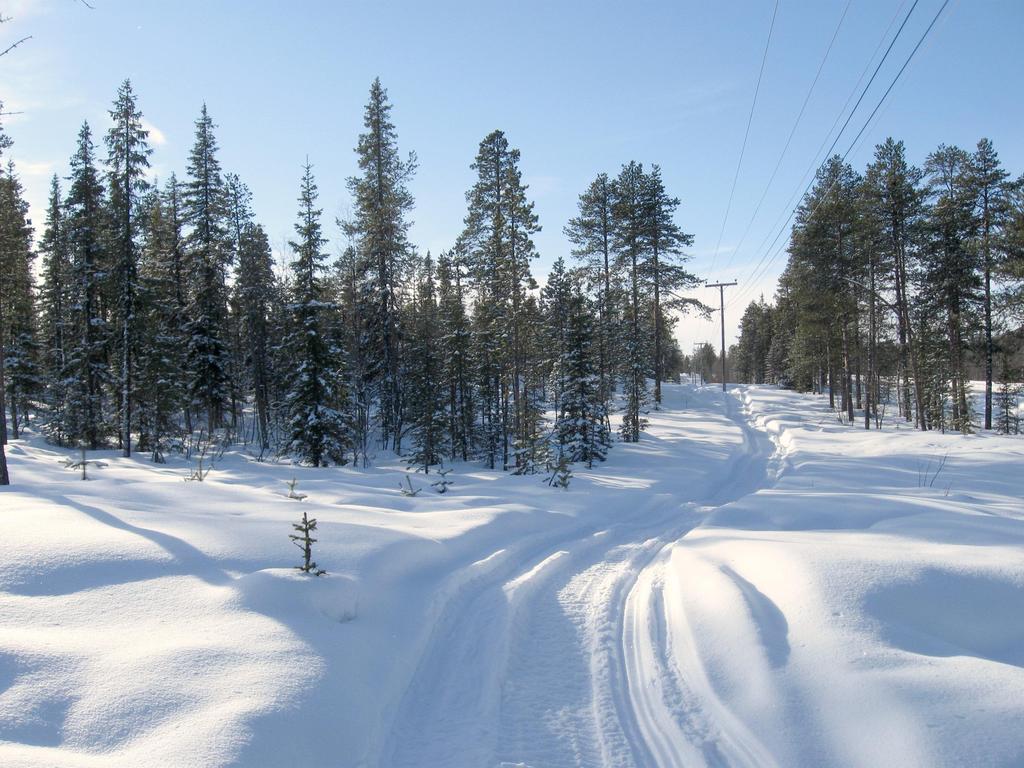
(751, 584)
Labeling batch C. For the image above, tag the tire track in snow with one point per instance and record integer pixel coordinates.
(680, 720)
(557, 656)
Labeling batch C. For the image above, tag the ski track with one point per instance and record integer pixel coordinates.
(559, 654)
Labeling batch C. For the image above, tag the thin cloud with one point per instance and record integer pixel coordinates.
(156, 136)
(28, 168)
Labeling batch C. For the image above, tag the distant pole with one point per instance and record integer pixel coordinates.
(721, 311)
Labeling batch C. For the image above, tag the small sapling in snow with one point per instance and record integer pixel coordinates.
(292, 493)
(926, 478)
(82, 463)
(407, 489)
(199, 473)
(441, 486)
(202, 456)
(304, 540)
(560, 473)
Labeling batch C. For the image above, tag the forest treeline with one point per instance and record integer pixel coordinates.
(902, 284)
(156, 311)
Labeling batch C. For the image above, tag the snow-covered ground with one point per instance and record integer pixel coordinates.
(752, 584)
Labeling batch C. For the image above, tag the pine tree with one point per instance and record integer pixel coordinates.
(209, 254)
(556, 298)
(316, 403)
(630, 243)
(380, 230)
(756, 329)
(663, 268)
(87, 369)
(951, 273)
(592, 233)
(894, 203)
(532, 445)
(1011, 268)
(128, 154)
(991, 191)
(498, 246)
(823, 271)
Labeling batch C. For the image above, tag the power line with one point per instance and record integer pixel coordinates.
(746, 134)
(815, 161)
(761, 273)
(878, 105)
(898, 74)
(867, 87)
(792, 133)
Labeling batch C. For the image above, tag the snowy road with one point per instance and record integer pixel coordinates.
(556, 655)
(752, 584)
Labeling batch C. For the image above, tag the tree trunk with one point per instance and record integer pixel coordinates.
(989, 346)
(847, 374)
(831, 379)
(907, 338)
(606, 377)
(126, 384)
(637, 376)
(5, 478)
(870, 401)
(15, 426)
(658, 373)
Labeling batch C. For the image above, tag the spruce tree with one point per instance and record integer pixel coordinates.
(1008, 396)
(581, 426)
(55, 302)
(5, 478)
(87, 367)
(379, 228)
(316, 403)
(239, 216)
(162, 342)
(209, 253)
(128, 154)
(347, 283)
(426, 397)
(22, 373)
(456, 350)
(256, 291)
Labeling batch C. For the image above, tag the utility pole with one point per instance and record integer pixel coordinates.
(721, 311)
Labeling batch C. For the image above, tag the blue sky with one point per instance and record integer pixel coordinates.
(578, 87)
